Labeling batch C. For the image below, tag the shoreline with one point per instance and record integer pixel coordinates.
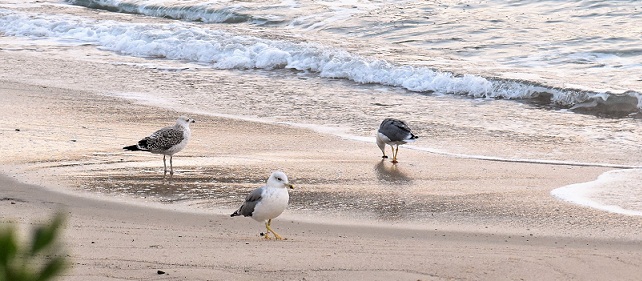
(481, 198)
(202, 207)
(119, 241)
(483, 219)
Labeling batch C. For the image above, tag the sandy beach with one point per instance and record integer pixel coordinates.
(118, 241)
(350, 216)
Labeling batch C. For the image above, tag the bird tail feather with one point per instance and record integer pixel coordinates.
(142, 145)
(132, 148)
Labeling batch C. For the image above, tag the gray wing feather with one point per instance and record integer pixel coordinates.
(250, 202)
(164, 139)
(395, 130)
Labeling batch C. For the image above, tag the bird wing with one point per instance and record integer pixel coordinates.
(163, 139)
(250, 202)
(395, 130)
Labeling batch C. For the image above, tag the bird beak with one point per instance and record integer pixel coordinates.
(192, 121)
(290, 186)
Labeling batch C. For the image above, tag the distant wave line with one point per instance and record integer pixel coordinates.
(222, 50)
(199, 13)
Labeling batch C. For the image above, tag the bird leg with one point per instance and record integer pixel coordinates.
(171, 166)
(394, 155)
(164, 166)
(269, 229)
(392, 148)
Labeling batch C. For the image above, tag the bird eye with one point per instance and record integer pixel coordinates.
(279, 179)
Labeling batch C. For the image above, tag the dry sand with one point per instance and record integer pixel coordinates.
(351, 217)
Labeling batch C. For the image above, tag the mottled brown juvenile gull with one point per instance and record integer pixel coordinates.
(166, 141)
(393, 132)
(267, 202)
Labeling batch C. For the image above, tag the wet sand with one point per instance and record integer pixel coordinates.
(119, 241)
(352, 216)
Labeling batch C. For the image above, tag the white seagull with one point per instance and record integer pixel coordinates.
(393, 132)
(267, 202)
(166, 141)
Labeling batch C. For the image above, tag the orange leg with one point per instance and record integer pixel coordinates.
(269, 229)
(394, 155)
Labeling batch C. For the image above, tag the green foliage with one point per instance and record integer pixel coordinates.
(39, 260)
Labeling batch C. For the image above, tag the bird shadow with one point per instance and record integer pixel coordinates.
(391, 173)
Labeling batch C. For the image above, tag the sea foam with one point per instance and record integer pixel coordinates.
(616, 191)
(223, 50)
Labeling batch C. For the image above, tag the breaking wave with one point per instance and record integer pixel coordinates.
(223, 50)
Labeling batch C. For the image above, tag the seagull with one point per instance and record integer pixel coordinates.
(166, 141)
(267, 202)
(393, 132)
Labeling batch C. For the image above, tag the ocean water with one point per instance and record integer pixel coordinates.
(526, 81)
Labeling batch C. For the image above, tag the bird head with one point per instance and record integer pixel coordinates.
(279, 179)
(185, 121)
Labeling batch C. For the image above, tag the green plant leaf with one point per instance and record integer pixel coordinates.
(40, 259)
(52, 269)
(45, 235)
(8, 246)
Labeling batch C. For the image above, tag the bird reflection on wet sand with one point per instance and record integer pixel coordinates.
(390, 172)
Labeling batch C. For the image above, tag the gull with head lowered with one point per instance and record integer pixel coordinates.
(167, 141)
(267, 202)
(393, 132)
